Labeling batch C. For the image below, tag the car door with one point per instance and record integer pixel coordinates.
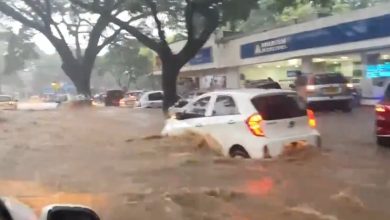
(225, 123)
(200, 109)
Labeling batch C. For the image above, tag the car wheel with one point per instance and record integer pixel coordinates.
(383, 141)
(346, 107)
(239, 152)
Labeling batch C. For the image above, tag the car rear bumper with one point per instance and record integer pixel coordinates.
(328, 98)
(277, 146)
(382, 127)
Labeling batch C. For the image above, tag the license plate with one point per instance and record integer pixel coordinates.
(299, 143)
(331, 90)
(295, 146)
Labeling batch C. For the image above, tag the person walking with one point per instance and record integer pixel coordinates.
(300, 85)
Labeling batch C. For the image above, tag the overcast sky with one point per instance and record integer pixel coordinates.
(44, 44)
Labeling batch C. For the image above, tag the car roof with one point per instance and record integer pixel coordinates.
(250, 92)
(155, 91)
(326, 74)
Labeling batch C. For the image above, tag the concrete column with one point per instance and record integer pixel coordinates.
(233, 78)
(372, 89)
(307, 65)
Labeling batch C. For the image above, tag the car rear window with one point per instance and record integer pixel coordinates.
(115, 93)
(5, 99)
(331, 78)
(281, 106)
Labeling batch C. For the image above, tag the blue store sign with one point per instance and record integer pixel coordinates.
(366, 29)
(204, 56)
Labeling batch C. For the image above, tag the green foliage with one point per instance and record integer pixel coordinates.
(126, 61)
(20, 50)
(276, 12)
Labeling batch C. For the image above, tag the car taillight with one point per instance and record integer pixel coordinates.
(350, 85)
(380, 108)
(312, 119)
(254, 125)
(310, 87)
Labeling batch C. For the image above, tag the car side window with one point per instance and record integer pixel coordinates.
(225, 105)
(157, 96)
(199, 107)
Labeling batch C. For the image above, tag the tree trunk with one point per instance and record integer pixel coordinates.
(80, 77)
(170, 71)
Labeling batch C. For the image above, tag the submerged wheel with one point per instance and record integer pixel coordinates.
(238, 151)
(383, 141)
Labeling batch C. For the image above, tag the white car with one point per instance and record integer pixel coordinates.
(249, 123)
(152, 99)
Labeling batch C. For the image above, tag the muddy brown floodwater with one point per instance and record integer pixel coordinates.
(98, 157)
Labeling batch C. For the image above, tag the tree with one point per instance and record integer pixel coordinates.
(77, 36)
(125, 62)
(19, 50)
(197, 18)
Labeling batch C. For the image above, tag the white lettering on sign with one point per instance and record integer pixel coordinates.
(271, 46)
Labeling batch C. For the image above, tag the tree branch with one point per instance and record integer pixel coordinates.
(194, 44)
(10, 12)
(34, 6)
(137, 34)
(77, 41)
(109, 39)
(122, 25)
(153, 7)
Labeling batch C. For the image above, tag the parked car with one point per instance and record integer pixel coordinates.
(330, 89)
(113, 97)
(382, 110)
(7, 103)
(35, 99)
(263, 84)
(131, 99)
(152, 99)
(249, 123)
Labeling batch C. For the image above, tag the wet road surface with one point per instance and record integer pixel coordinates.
(97, 157)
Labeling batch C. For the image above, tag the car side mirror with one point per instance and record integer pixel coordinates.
(12, 209)
(68, 212)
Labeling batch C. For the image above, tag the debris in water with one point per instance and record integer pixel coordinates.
(150, 137)
(346, 196)
(307, 210)
(226, 195)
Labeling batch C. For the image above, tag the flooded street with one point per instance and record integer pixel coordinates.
(112, 159)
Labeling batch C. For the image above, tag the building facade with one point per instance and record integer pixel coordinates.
(356, 44)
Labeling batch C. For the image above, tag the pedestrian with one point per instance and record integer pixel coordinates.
(300, 85)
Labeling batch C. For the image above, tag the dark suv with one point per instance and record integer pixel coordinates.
(329, 89)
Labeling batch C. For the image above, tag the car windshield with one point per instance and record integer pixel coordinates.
(196, 109)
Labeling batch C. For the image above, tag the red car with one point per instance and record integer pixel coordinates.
(382, 110)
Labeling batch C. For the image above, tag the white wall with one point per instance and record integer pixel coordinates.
(228, 54)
